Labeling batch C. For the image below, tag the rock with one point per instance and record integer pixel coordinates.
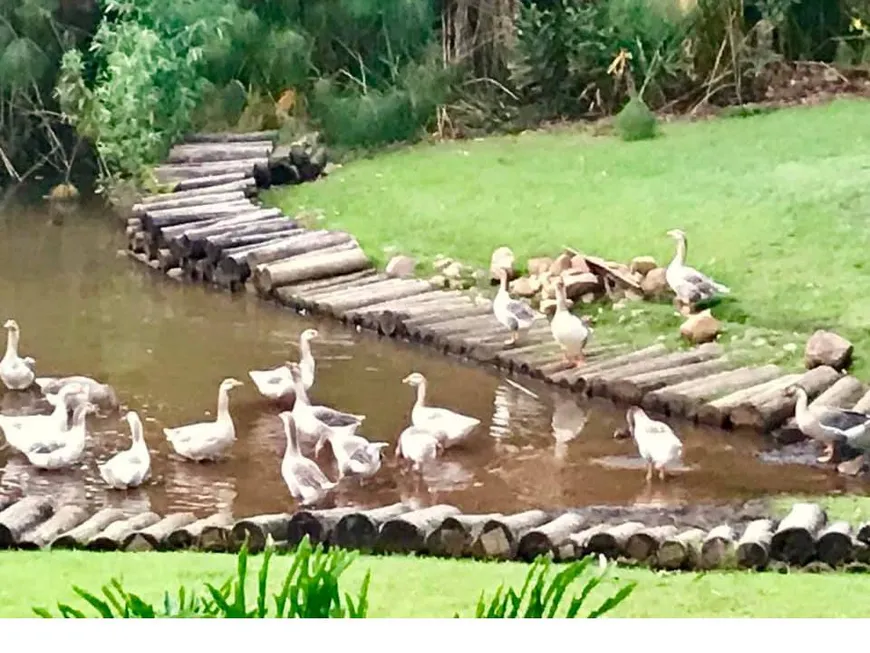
(525, 286)
(438, 281)
(548, 307)
(642, 264)
(588, 298)
(539, 265)
(441, 262)
(401, 266)
(548, 290)
(828, 348)
(562, 263)
(502, 259)
(632, 295)
(452, 271)
(459, 284)
(654, 283)
(578, 262)
(701, 327)
(580, 283)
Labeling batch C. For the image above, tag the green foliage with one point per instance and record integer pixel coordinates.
(541, 597)
(635, 122)
(310, 590)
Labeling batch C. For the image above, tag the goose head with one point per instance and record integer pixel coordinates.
(295, 370)
(677, 234)
(414, 379)
(11, 325)
(794, 391)
(83, 410)
(309, 334)
(230, 383)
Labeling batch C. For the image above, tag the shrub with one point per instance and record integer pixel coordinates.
(635, 122)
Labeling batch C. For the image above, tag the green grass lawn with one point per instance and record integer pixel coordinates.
(408, 587)
(775, 206)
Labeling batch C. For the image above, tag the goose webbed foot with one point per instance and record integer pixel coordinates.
(827, 454)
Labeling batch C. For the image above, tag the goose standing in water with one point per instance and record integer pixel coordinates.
(689, 285)
(656, 442)
(207, 440)
(60, 454)
(305, 480)
(830, 425)
(515, 315)
(570, 332)
(419, 445)
(100, 394)
(24, 432)
(16, 373)
(277, 383)
(354, 454)
(314, 423)
(449, 427)
(130, 468)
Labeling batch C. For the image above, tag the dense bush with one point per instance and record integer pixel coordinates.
(311, 590)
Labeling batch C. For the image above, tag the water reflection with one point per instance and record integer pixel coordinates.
(166, 346)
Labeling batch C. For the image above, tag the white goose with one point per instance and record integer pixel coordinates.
(830, 425)
(689, 285)
(207, 440)
(100, 394)
(354, 454)
(60, 454)
(305, 480)
(570, 332)
(16, 373)
(449, 427)
(315, 423)
(419, 445)
(515, 315)
(656, 442)
(24, 432)
(277, 383)
(130, 468)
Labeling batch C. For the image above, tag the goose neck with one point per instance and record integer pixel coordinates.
(223, 406)
(12, 337)
(680, 254)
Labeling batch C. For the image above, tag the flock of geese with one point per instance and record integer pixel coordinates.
(55, 441)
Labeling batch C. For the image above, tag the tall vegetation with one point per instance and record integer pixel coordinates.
(131, 76)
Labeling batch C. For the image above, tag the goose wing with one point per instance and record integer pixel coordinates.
(332, 417)
(308, 473)
(842, 420)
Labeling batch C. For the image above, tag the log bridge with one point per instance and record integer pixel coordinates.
(211, 230)
(804, 538)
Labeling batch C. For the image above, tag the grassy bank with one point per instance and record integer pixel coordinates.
(774, 206)
(427, 587)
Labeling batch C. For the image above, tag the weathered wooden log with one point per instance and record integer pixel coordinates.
(185, 536)
(281, 226)
(436, 315)
(682, 551)
(269, 276)
(643, 545)
(191, 243)
(718, 548)
(499, 538)
(166, 259)
(365, 297)
(210, 181)
(79, 536)
(21, 516)
(257, 529)
(863, 404)
(154, 221)
(547, 538)
(835, 544)
(212, 152)
(455, 535)
(407, 533)
(581, 539)
(215, 537)
(66, 518)
(172, 173)
(358, 531)
(753, 548)
(232, 268)
(311, 241)
(718, 412)
(402, 304)
(546, 362)
(318, 525)
(113, 536)
(355, 279)
(794, 541)
(324, 297)
(194, 196)
(137, 242)
(214, 253)
(685, 398)
(183, 202)
(633, 388)
(599, 383)
(461, 325)
(576, 378)
(154, 537)
(611, 541)
(395, 322)
(232, 137)
(770, 409)
(169, 234)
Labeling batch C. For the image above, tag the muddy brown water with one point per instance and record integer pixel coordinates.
(165, 346)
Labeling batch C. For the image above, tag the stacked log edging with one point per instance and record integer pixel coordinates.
(803, 539)
(209, 230)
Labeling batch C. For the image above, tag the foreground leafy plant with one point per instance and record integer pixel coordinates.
(310, 590)
(539, 598)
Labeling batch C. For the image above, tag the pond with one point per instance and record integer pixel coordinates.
(85, 308)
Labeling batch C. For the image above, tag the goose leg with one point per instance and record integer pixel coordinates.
(661, 473)
(649, 471)
(580, 360)
(827, 454)
(513, 339)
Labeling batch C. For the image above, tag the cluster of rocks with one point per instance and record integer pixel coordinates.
(303, 160)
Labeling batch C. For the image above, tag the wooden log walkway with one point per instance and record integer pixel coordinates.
(804, 537)
(212, 230)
